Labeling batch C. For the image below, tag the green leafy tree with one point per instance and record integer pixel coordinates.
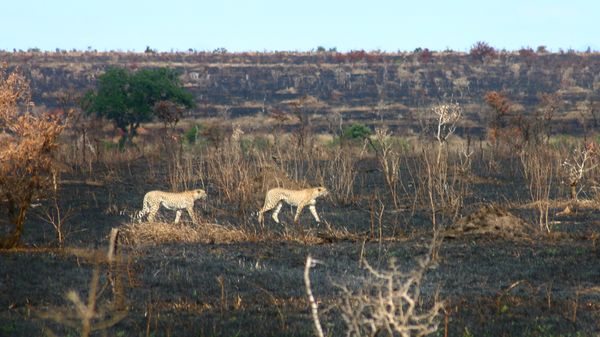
(356, 132)
(129, 98)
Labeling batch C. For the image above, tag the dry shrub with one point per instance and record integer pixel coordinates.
(444, 176)
(340, 174)
(183, 173)
(27, 149)
(301, 165)
(576, 167)
(389, 158)
(161, 232)
(444, 172)
(508, 130)
(540, 168)
(390, 303)
(232, 172)
(242, 175)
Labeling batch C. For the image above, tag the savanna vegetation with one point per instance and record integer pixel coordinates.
(476, 215)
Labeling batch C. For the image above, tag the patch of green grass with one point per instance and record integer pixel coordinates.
(192, 134)
(8, 329)
(257, 142)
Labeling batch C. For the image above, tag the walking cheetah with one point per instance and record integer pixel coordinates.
(172, 201)
(300, 198)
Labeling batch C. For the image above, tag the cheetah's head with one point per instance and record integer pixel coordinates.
(321, 191)
(199, 194)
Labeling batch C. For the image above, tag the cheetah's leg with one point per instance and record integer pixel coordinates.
(276, 211)
(190, 211)
(313, 210)
(152, 212)
(266, 207)
(298, 211)
(144, 211)
(141, 214)
(177, 215)
(261, 215)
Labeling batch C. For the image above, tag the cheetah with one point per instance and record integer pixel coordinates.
(172, 201)
(300, 198)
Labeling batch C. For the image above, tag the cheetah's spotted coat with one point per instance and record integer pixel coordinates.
(300, 198)
(172, 201)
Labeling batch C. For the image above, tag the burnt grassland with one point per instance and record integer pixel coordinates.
(503, 268)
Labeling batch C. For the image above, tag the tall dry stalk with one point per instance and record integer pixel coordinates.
(540, 170)
(301, 165)
(340, 174)
(183, 172)
(95, 313)
(314, 309)
(389, 161)
(446, 182)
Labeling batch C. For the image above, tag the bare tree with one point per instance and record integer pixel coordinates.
(577, 166)
(447, 115)
(540, 171)
(549, 105)
(445, 182)
(301, 110)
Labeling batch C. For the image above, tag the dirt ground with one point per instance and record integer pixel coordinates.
(497, 277)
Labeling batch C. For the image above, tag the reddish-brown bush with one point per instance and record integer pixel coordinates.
(482, 50)
(26, 153)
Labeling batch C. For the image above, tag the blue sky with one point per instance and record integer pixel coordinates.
(302, 25)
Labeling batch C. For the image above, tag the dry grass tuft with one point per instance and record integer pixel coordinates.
(590, 204)
(161, 232)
